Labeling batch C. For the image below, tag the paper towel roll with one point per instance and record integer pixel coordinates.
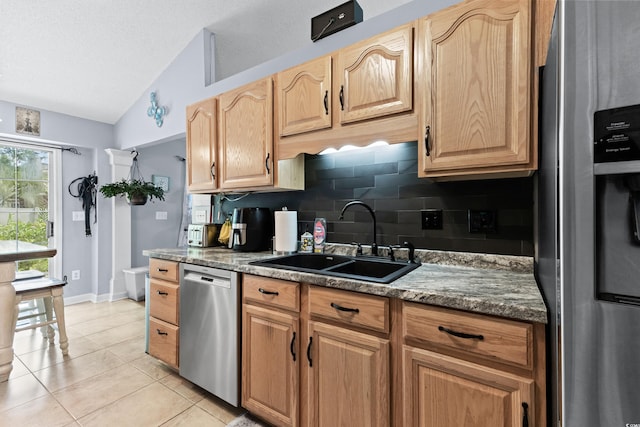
(286, 223)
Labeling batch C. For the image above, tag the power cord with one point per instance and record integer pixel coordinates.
(331, 21)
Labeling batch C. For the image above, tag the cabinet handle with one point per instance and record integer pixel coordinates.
(293, 353)
(266, 163)
(309, 352)
(161, 333)
(339, 307)
(525, 414)
(342, 97)
(213, 171)
(264, 291)
(460, 334)
(162, 293)
(427, 132)
(326, 102)
(163, 270)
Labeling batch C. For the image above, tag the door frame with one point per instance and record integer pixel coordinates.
(54, 196)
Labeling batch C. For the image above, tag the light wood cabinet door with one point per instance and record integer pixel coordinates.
(246, 136)
(164, 341)
(201, 146)
(164, 300)
(375, 77)
(442, 391)
(349, 382)
(270, 356)
(304, 97)
(475, 77)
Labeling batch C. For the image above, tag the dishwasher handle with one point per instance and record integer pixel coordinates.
(205, 279)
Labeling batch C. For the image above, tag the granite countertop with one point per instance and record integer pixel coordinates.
(487, 284)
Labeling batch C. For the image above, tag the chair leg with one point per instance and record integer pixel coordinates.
(58, 307)
(47, 331)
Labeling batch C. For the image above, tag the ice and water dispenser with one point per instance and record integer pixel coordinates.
(617, 200)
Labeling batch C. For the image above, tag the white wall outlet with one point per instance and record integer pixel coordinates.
(75, 275)
(161, 215)
(78, 215)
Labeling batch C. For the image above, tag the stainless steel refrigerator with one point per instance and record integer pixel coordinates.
(588, 188)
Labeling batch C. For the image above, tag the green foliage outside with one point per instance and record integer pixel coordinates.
(32, 232)
(24, 187)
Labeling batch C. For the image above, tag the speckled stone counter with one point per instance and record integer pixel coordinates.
(488, 284)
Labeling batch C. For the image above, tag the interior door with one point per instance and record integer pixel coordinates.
(29, 201)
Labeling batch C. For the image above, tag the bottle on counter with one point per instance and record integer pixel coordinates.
(319, 235)
(306, 242)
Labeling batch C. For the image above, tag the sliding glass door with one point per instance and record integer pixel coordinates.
(29, 201)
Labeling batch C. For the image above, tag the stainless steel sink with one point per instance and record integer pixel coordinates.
(370, 269)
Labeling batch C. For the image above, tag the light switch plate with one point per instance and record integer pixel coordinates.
(161, 215)
(78, 215)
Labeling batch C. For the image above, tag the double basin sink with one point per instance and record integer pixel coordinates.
(370, 269)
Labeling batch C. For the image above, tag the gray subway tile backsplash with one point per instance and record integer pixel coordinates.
(386, 179)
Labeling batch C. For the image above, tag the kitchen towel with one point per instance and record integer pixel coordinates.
(286, 224)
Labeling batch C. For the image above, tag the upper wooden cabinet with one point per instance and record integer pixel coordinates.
(475, 77)
(305, 97)
(246, 136)
(201, 146)
(357, 95)
(375, 77)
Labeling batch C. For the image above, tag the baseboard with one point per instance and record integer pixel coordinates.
(77, 299)
(118, 296)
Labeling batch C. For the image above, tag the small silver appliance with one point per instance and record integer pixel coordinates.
(202, 235)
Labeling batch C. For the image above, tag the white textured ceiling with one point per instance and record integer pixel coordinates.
(94, 58)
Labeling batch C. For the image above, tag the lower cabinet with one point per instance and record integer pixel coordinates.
(270, 349)
(444, 391)
(315, 356)
(164, 311)
(349, 381)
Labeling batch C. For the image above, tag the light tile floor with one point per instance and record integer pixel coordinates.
(106, 379)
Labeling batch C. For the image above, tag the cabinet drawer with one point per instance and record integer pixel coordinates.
(491, 338)
(350, 308)
(273, 292)
(164, 300)
(163, 269)
(163, 341)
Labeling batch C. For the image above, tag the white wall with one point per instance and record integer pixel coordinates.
(146, 231)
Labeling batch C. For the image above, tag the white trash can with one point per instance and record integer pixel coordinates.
(134, 281)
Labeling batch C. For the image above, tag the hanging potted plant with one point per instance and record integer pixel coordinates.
(134, 188)
(136, 191)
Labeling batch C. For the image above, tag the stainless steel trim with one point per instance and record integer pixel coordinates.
(613, 168)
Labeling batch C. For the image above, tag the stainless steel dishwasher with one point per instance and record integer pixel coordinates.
(210, 330)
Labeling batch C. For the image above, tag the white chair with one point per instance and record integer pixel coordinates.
(50, 291)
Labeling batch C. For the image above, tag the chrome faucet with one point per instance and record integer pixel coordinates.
(374, 245)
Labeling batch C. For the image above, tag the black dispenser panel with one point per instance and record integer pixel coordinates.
(617, 134)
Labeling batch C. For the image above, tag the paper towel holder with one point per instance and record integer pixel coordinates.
(291, 235)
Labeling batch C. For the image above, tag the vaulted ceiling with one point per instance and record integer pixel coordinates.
(94, 59)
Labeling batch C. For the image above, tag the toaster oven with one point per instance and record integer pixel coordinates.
(202, 235)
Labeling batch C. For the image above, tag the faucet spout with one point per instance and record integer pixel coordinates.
(374, 245)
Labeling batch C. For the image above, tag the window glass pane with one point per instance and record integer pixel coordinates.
(31, 164)
(24, 187)
(32, 195)
(7, 163)
(8, 227)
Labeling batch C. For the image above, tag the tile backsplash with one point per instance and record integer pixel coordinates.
(386, 179)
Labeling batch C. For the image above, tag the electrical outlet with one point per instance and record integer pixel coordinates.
(431, 219)
(78, 215)
(161, 215)
(483, 221)
(75, 275)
